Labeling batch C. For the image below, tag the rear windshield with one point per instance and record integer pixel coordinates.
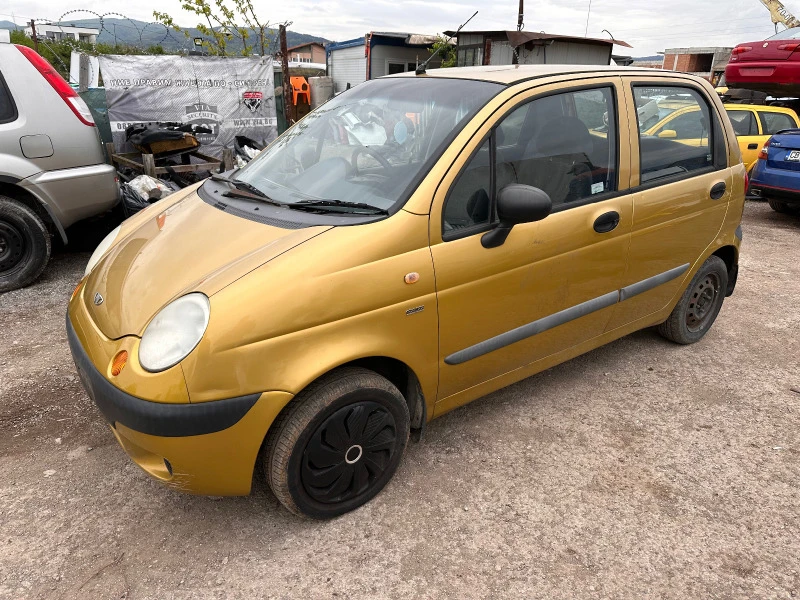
(369, 145)
(787, 34)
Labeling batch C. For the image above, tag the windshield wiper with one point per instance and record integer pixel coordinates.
(242, 189)
(376, 210)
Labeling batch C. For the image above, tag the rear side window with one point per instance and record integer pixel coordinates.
(679, 143)
(8, 110)
(743, 121)
(772, 122)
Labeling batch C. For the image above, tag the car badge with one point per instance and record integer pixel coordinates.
(765, 45)
(98, 299)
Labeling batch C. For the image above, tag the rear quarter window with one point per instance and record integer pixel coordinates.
(8, 110)
(773, 122)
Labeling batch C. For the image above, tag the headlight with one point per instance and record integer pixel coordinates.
(174, 332)
(101, 250)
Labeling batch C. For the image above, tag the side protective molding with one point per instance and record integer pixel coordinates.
(564, 316)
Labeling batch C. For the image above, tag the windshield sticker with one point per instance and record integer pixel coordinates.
(598, 187)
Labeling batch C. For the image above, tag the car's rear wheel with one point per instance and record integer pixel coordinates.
(337, 444)
(781, 207)
(24, 245)
(700, 304)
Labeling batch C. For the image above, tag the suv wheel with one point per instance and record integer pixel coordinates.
(337, 444)
(700, 304)
(24, 245)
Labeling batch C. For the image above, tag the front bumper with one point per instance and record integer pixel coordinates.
(203, 448)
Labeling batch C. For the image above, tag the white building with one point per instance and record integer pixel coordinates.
(62, 32)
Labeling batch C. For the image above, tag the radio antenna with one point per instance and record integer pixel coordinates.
(421, 69)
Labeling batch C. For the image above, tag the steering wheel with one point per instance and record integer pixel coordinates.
(372, 152)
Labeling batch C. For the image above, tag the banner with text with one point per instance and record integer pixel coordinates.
(230, 96)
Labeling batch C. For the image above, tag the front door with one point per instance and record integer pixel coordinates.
(680, 197)
(553, 283)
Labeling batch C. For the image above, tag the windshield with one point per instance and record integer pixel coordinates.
(368, 145)
(787, 34)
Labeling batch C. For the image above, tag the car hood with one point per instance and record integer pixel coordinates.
(164, 253)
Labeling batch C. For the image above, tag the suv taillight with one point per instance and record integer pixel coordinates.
(62, 88)
(763, 153)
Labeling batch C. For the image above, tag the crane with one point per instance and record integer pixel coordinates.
(779, 14)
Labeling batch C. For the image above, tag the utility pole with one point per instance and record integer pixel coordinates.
(33, 35)
(287, 85)
(520, 24)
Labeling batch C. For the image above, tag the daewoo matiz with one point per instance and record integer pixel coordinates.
(415, 243)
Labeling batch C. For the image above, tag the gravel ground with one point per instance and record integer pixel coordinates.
(642, 469)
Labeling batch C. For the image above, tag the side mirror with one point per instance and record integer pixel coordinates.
(516, 203)
(669, 134)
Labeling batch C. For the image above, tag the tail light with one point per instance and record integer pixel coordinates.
(746, 182)
(762, 154)
(741, 49)
(789, 47)
(62, 88)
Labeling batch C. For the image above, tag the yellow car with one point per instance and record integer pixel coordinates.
(415, 243)
(752, 123)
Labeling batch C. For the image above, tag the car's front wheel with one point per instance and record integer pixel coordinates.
(337, 444)
(700, 304)
(24, 245)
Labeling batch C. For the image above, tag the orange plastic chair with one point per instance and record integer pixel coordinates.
(300, 88)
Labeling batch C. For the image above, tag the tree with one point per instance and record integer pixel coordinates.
(447, 51)
(220, 24)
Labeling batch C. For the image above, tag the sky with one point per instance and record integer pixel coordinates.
(649, 27)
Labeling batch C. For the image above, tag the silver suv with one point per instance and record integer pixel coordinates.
(52, 170)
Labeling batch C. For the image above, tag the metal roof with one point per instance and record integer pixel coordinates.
(518, 38)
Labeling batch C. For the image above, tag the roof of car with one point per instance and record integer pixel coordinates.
(759, 107)
(509, 74)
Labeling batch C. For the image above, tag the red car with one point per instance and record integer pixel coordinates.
(771, 65)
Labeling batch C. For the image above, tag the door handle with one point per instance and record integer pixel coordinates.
(606, 222)
(718, 191)
(752, 146)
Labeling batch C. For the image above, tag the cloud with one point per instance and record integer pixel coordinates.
(648, 27)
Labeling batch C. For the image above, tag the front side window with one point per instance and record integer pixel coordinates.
(773, 122)
(679, 143)
(743, 121)
(564, 144)
(369, 145)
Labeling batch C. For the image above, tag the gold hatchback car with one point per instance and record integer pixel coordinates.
(414, 244)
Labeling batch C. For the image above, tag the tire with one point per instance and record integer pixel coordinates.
(314, 465)
(778, 206)
(783, 207)
(24, 245)
(698, 308)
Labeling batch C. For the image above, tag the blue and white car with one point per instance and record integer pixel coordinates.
(776, 174)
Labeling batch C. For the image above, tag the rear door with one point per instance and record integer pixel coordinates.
(748, 133)
(680, 197)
